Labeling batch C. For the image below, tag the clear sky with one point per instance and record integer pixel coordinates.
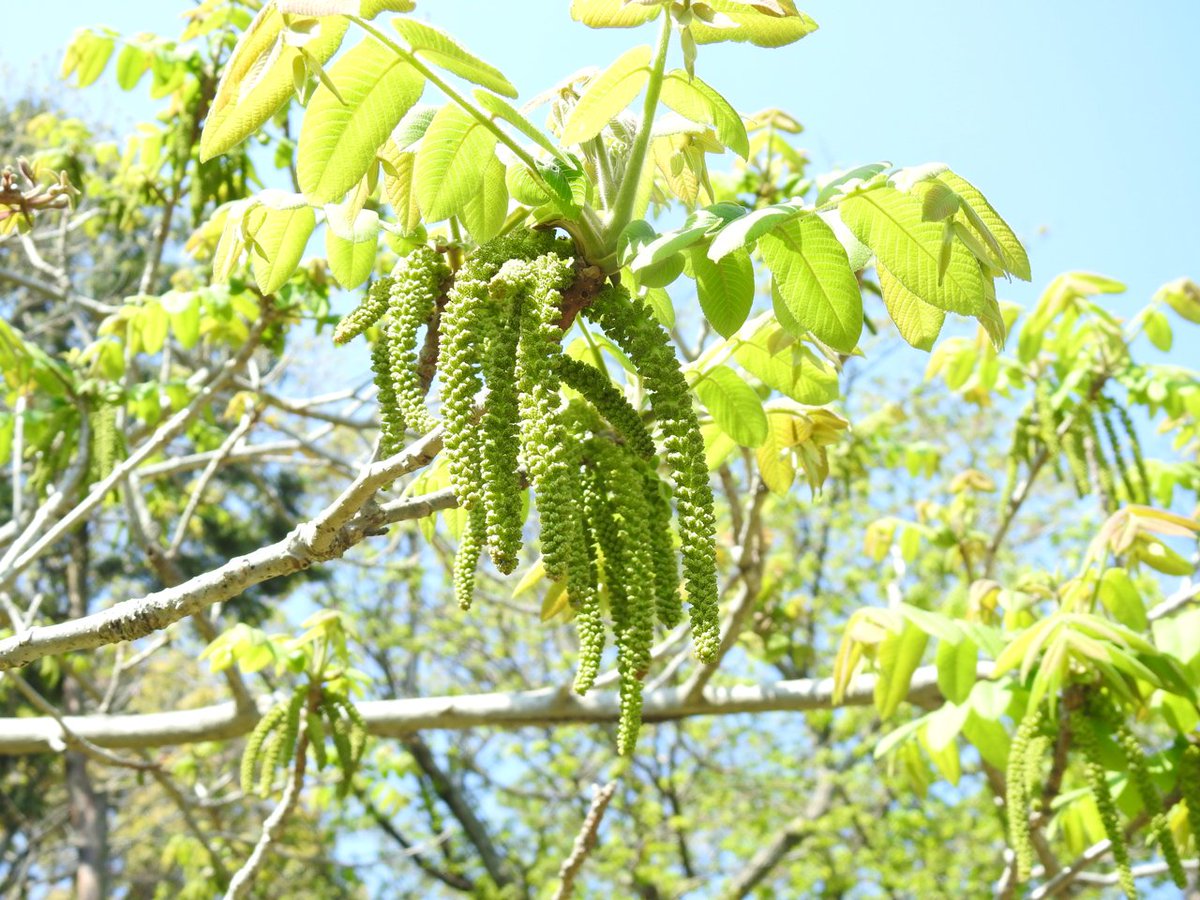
(1078, 119)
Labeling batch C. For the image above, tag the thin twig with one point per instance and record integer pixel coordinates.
(585, 840)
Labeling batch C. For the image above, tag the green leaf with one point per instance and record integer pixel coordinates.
(694, 99)
(898, 657)
(611, 13)
(86, 56)
(748, 228)
(917, 321)
(725, 288)
(988, 224)
(185, 321)
(1183, 296)
(132, 63)
(398, 168)
(813, 275)
(351, 245)
(451, 162)
(775, 463)
(956, 669)
(445, 52)
(280, 226)
(371, 8)
(1122, 599)
(944, 724)
(607, 94)
(1158, 329)
(891, 224)
(785, 364)
(257, 79)
(502, 109)
(734, 405)
(739, 23)
(338, 142)
(484, 214)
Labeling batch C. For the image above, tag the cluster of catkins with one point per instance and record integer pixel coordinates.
(272, 744)
(1074, 435)
(517, 412)
(1024, 775)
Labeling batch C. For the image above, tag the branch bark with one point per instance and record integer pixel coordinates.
(403, 717)
(329, 535)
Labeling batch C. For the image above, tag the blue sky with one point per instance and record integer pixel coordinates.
(1079, 120)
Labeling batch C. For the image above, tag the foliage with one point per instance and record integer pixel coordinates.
(988, 561)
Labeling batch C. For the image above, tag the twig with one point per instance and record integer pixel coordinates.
(272, 829)
(585, 840)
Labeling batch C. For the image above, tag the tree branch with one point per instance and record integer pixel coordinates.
(327, 536)
(403, 717)
(585, 840)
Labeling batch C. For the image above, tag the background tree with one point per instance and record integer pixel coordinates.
(987, 564)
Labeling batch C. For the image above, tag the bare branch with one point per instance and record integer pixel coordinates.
(585, 840)
(330, 534)
(402, 717)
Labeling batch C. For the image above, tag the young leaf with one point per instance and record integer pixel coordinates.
(451, 162)
(280, 225)
(984, 219)
(444, 51)
(398, 168)
(898, 657)
(917, 321)
(351, 245)
(785, 364)
(611, 13)
(257, 80)
(607, 94)
(696, 100)
(748, 228)
(484, 214)
(813, 275)
(956, 669)
(891, 224)
(749, 24)
(725, 288)
(338, 141)
(734, 405)
(502, 109)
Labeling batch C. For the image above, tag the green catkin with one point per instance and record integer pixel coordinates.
(271, 758)
(374, 304)
(254, 744)
(543, 430)
(582, 591)
(339, 730)
(1135, 450)
(103, 423)
(633, 327)
(1188, 774)
(585, 597)
(464, 328)
(502, 488)
(668, 601)
(411, 304)
(1151, 802)
(470, 546)
(291, 723)
(316, 737)
(1017, 802)
(598, 389)
(1103, 420)
(1075, 453)
(1099, 462)
(1085, 736)
(391, 422)
(633, 620)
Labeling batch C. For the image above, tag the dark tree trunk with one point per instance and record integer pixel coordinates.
(87, 808)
